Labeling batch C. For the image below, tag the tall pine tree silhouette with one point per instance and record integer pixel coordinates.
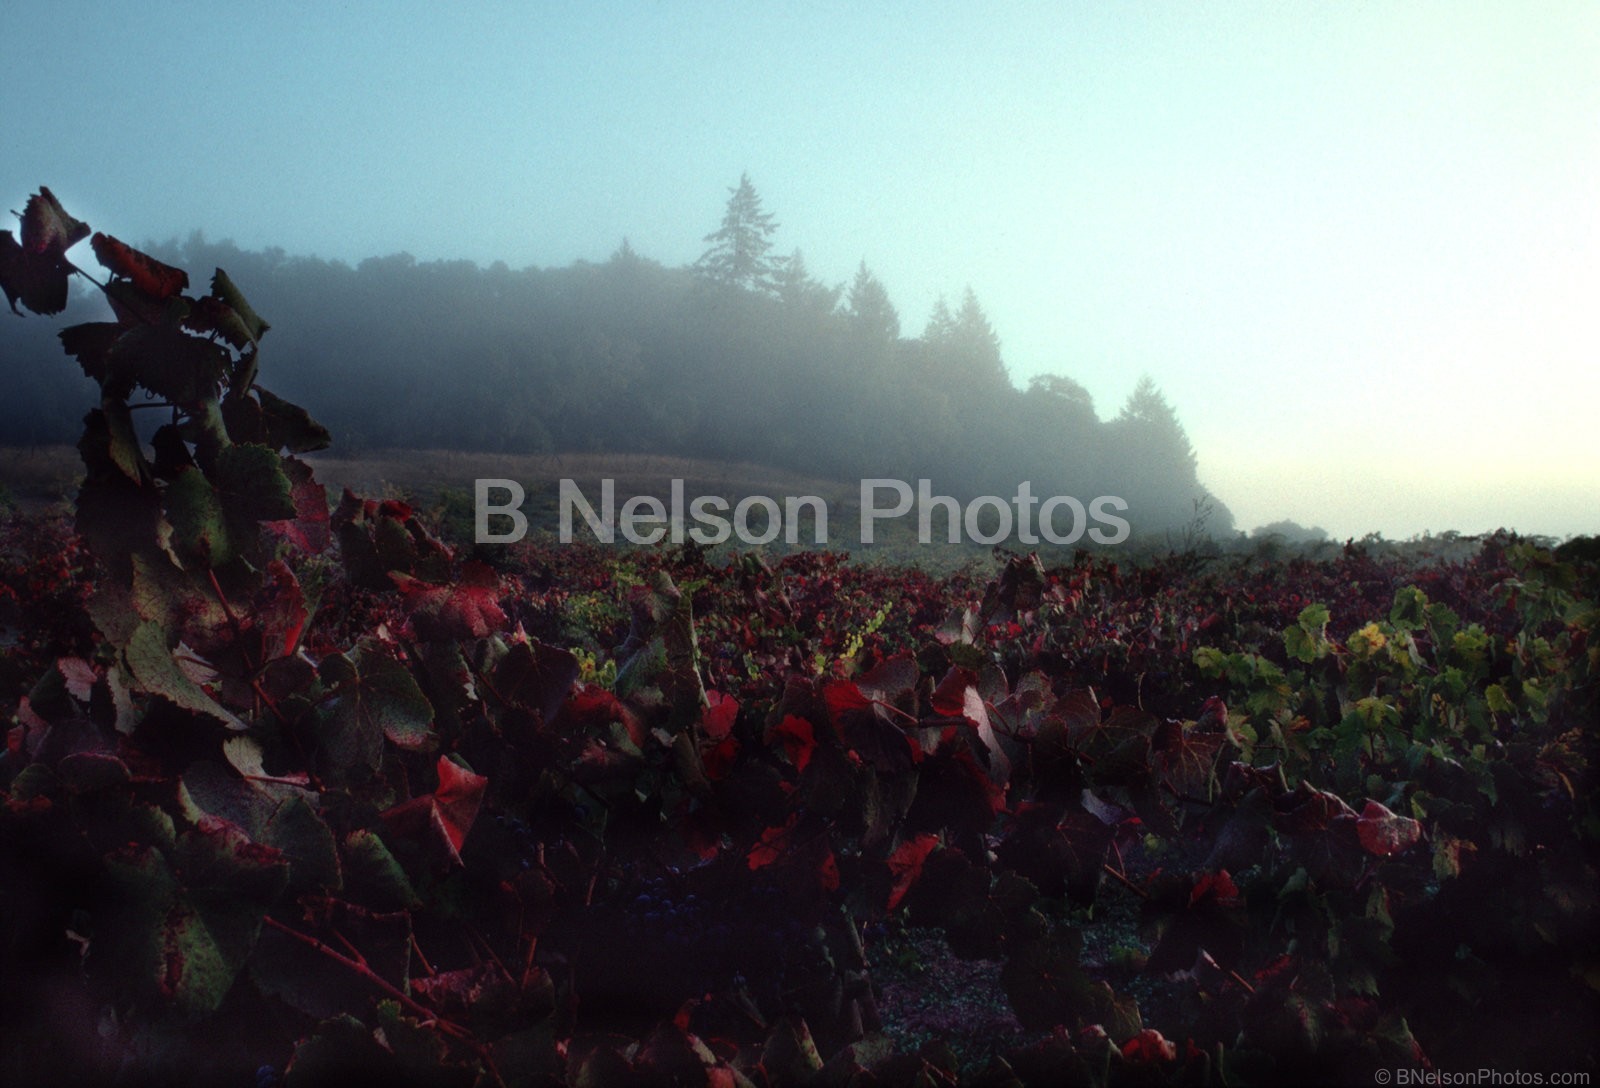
(738, 256)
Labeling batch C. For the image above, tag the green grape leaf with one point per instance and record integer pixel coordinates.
(373, 875)
(224, 291)
(170, 363)
(252, 484)
(155, 670)
(373, 697)
(199, 530)
(289, 426)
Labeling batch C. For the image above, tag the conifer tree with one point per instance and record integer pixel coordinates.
(870, 309)
(738, 256)
(793, 283)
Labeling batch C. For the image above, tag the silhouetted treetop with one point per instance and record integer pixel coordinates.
(738, 256)
(869, 307)
(795, 286)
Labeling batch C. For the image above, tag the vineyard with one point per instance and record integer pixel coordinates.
(300, 790)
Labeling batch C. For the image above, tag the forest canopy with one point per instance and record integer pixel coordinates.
(742, 356)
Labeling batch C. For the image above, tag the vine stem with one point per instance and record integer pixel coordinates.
(359, 965)
(81, 272)
(1126, 883)
(227, 610)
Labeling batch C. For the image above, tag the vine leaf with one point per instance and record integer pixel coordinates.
(536, 677)
(720, 713)
(156, 671)
(867, 730)
(223, 289)
(183, 927)
(772, 845)
(35, 272)
(957, 696)
(374, 697)
(308, 530)
(1383, 833)
(1149, 1047)
(372, 872)
(466, 609)
(798, 739)
(47, 227)
(168, 362)
(159, 281)
(199, 529)
(441, 819)
(905, 866)
(252, 484)
(1186, 759)
(289, 426)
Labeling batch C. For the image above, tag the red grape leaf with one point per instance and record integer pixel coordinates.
(38, 282)
(957, 696)
(441, 818)
(1383, 833)
(308, 529)
(1149, 1046)
(159, 281)
(1308, 809)
(280, 611)
(866, 728)
(1217, 888)
(79, 675)
(905, 866)
(46, 226)
(773, 844)
(719, 758)
(459, 795)
(798, 739)
(828, 870)
(719, 715)
(468, 609)
(1186, 759)
(893, 680)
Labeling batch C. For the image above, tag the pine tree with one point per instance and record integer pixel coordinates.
(793, 284)
(941, 326)
(977, 342)
(963, 348)
(738, 256)
(869, 307)
(1148, 414)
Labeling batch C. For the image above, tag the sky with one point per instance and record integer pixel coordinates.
(1356, 245)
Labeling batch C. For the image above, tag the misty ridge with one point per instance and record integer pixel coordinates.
(743, 356)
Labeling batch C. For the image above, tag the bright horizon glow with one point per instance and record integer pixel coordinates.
(1356, 246)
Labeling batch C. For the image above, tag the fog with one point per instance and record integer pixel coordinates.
(1321, 263)
(746, 360)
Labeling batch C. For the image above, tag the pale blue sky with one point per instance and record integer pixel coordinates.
(1357, 245)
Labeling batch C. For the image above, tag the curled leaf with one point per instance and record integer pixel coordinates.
(1383, 833)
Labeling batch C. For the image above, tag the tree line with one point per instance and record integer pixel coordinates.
(742, 356)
